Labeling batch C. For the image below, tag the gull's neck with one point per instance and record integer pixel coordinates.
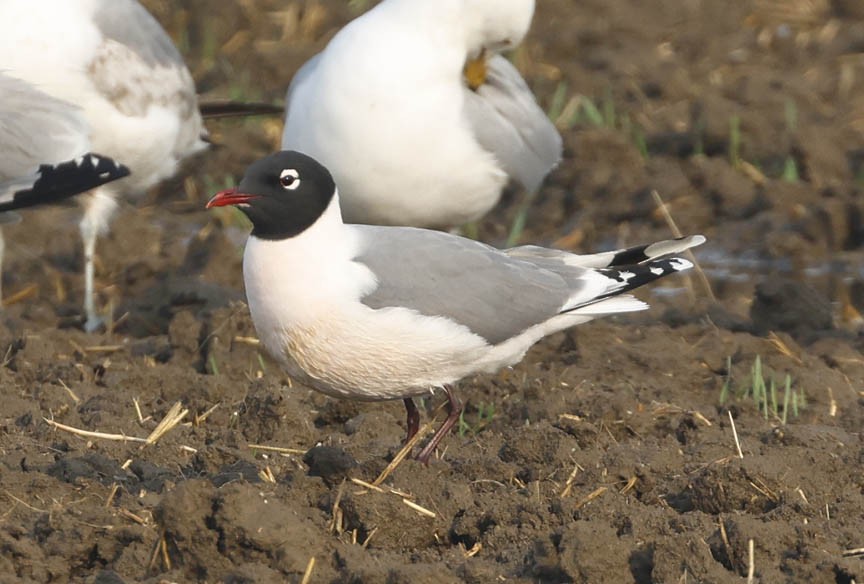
(294, 279)
(325, 237)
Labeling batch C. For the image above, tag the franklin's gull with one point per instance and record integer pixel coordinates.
(379, 313)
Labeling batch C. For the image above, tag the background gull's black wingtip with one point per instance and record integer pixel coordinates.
(233, 109)
(55, 182)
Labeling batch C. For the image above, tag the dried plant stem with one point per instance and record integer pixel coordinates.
(751, 563)
(114, 488)
(71, 393)
(138, 410)
(590, 497)
(278, 449)
(174, 416)
(402, 454)
(366, 485)
(171, 419)
(419, 509)
(735, 435)
(570, 479)
(664, 210)
(24, 294)
(307, 575)
(336, 514)
(89, 434)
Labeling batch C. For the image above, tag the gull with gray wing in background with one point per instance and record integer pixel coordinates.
(114, 61)
(414, 81)
(44, 152)
(378, 313)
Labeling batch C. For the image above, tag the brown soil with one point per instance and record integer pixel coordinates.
(606, 456)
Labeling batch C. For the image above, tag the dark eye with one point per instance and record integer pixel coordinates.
(289, 179)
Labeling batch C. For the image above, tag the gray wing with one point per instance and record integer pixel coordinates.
(509, 123)
(35, 129)
(137, 66)
(43, 150)
(475, 285)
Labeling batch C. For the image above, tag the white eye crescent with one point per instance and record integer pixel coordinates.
(289, 179)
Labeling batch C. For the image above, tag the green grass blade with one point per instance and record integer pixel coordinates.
(559, 99)
(790, 170)
(592, 114)
(518, 225)
(774, 406)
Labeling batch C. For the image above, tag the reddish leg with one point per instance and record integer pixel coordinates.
(413, 419)
(454, 408)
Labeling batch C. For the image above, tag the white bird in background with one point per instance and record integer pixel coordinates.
(112, 59)
(44, 152)
(416, 81)
(379, 313)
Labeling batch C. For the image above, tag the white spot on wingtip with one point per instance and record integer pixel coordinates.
(625, 276)
(94, 160)
(79, 161)
(104, 175)
(679, 264)
(657, 271)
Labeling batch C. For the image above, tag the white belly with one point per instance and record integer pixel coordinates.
(304, 296)
(376, 355)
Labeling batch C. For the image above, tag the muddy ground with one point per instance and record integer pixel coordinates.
(606, 456)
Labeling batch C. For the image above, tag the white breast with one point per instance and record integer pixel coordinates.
(304, 296)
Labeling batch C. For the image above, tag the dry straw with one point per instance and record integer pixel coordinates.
(735, 435)
(673, 227)
(174, 416)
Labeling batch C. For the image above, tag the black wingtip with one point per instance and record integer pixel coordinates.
(645, 253)
(634, 276)
(232, 109)
(55, 182)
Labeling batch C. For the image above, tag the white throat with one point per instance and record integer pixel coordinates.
(291, 281)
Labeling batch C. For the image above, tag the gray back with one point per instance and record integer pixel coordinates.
(475, 285)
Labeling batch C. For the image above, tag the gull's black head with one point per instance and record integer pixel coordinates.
(282, 194)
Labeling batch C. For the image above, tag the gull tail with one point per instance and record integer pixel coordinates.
(607, 259)
(639, 254)
(52, 183)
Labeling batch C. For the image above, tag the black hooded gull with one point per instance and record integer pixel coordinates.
(379, 313)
